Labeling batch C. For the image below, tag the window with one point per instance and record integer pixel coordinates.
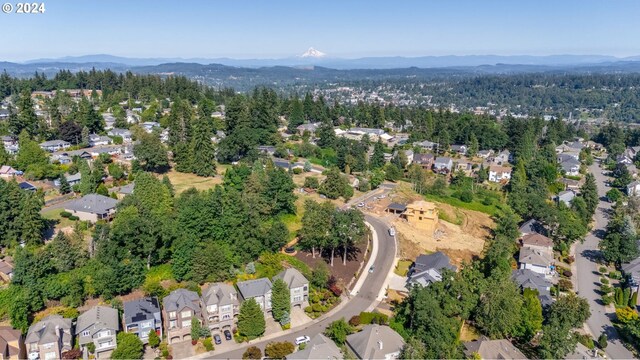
(305, 288)
(48, 346)
(85, 333)
(172, 324)
(172, 315)
(50, 355)
(297, 298)
(226, 317)
(225, 308)
(185, 314)
(212, 308)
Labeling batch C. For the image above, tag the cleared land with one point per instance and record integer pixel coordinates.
(184, 181)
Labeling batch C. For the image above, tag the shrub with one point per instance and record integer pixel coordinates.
(602, 341)
(208, 344)
(615, 275)
(626, 315)
(311, 182)
(570, 259)
(603, 270)
(65, 214)
(373, 318)
(564, 285)
(72, 354)
(354, 321)
(279, 350)
(607, 299)
(74, 218)
(604, 281)
(297, 171)
(91, 347)
(567, 273)
(252, 352)
(308, 309)
(605, 289)
(316, 307)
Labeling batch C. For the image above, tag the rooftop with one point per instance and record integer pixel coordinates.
(93, 203)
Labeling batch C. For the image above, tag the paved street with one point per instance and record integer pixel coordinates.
(589, 279)
(365, 298)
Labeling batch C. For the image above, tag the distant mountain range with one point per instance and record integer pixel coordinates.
(317, 58)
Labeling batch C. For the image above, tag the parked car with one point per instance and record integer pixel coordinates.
(217, 339)
(372, 268)
(227, 335)
(392, 231)
(382, 196)
(302, 339)
(361, 204)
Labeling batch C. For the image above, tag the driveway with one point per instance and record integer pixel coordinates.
(398, 283)
(298, 316)
(587, 253)
(182, 350)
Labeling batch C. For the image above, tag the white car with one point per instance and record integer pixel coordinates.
(361, 205)
(392, 231)
(382, 196)
(302, 339)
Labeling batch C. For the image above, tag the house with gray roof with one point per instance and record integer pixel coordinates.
(527, 279)
(570, 167)
(92, 207)
(565, 197)
(310, 127)
(99, 140)
(535, 259)
(99, 326)
(492, 349)
(54, 145)
(532, 226)
(458, 149)
(503, 157)
(376, 342)
(426, 144)
(179, 308)
(320, 347)
(126, 190)
(258, 289)
(220, 306)
(443, 164)
(298, 285)
(49, 338)
(428, 269)
(125, 134)
(632, 272)
(142, 316)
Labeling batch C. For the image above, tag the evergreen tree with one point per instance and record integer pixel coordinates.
(296, 115)
(377, 159)
(151, 154)
(334, 185)
(129, 347)
(31, 222)
(280, 300)
(26, 118)
(203, 153)
(326, 135)
(474, 146)
(84, 136)
(251, 321)
(30, 155)
(65, 188)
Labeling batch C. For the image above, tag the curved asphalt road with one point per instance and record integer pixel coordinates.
(587, 253)
(365, 298)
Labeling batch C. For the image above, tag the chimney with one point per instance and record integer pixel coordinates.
(380, 345)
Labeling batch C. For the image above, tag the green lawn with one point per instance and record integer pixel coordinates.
(55, 215)
(403, 267)
(474, 205)
(159, 273)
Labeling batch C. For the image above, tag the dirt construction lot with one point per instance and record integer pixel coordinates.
(461, 234)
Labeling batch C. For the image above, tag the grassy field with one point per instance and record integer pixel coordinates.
(474, 205)
(403, 267)
(159, 273)
(184, 181)
(55, 215)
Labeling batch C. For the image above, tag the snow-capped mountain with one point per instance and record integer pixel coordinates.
(313, 53)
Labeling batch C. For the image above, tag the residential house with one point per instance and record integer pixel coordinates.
(149, 126)
(540, 261)
(320, 347)
(126, 190)
(537, 241)
(584, 353)
(376, 342)
(633, 189)
(310, 127)
(532, 226)
(396, 208)
(71, 179)
(133, 118)
(54, 145)
(220, 306)
(426, 145)
(422, 215)
(486, 349)
(179, 308)
(8, 140)
(92, 207)
(570, 167)
(6, 270)
(503, 157)
(4, 114)
(267, 150)
(442, 164)
(11, 344)
(632, 152)
(258, 289)
(298, 285)
(424, 160)
(123, 133)
(98, 326)
(632, 272)
(458, 149)
(527, 279)
(565, 197)
(484, 154)
(409, 154)
(49, 338)
(624, 159)
(570, 184)
(98, 140)
(499, 174)
(142, 316)
(7, 172)
(109, 120)
(633, 171)
(428, 269)
(464, 166)
(66, 157)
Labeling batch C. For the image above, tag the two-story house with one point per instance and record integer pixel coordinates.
(258, 289)
(49, 338)
(297, 283)
(142, 316)
(54, 145)
(11, 344)
(99, 326)
(179, 308)
(221, 306)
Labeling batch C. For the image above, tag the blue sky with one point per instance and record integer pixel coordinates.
(341, 28)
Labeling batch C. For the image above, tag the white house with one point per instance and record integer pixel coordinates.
(536, 260)
(633, 188)
(499, 173)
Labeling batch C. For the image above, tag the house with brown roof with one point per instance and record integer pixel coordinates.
(537, 241)
(11, 344)
(492, 349)
(49, 338)
(178, 308)
(6, 270)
